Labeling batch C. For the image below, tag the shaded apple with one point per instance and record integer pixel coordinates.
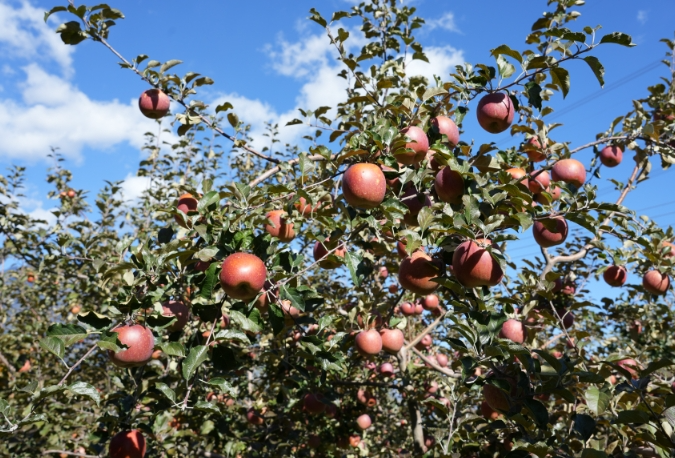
(539, 181)
(474, 266)
(154, 104)
(320, 251)
(548, 237)
(534, 150)
(615, 275)
(495, 112)
(416, 272)
(312, 403)
(442, 125)
(415, 202)
(419, 143)
(186, 203)
(611, 156)
(449, 185)
(180, 311)
(279, 228)
(127, 444)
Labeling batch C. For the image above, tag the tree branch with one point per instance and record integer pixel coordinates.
(434, 365)
(12, 369)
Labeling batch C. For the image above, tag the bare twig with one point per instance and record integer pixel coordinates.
(426, 331)
(434, 365)
(12, 369)
(74, 366)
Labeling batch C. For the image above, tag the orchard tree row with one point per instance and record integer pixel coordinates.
(354, 294)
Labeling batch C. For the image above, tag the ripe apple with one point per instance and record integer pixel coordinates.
(518, 173)
(670, 253)
(419, 144)
(495, 112)
(368, 342)
(630, 365)
(555, 193)
(567, 318)
(534, 151)
(615, 275)
(497, 399)
(71, 193)
(180, 311)
(656, 283)
(186, 203)
(305, 208)
(366, 397)
(449, 185)
(393, 289)
(30, 278)
(392, 340)
(312, 403)
(279, 228)
(415, 202)
(474, 266)
(364, 186)
(387, 370)
(320, 251)
(488, 412)
(442, 125)
(550, 237)
(75, 309)
(441, 360)
(430, 302)
(419, 309)
(140, 343)
(127, 444)
(393, 183)
(408, 308)
(426, 341)
(254, 418)
(570, 171)
(354, 440)
(154, 104)
(539, 181)
(243, 275)
(611, 156)
(416, 271)
(513, 330)
(364, 421)
(290, 312)
(269, 294)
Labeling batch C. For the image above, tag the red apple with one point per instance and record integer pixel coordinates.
(186, 203)
(442, 125)
(392, 339)
(416, 272)
(320, 251)
(393, 183)
(615, 275)
(656, 283)
(415, 202)
(419, 309)
(419, 144)
(364, 185)
(550, 237)
(154, 104)
(366, 397)
(630, 365)
(305, 208)
(408, 308)
(539, 181)
(534, 151)
(430, 302)
(364, 421)
(441, 360)
(368, 342)
(279, 228)
(495, 112)
(513, 330)
(474, 266)
(611, 156)
(670, 253)
(488, 412)
(555, 193)
(426, 341)
(71, 193)
(567, 318)
(387, 370)
(243, 275)
(570, 171)
(254, 418)
(518, 173)
(180, 311)
(449, 186)
(312, 403)
(127, 444)
(140, 343)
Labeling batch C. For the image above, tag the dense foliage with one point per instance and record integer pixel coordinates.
(276, 371)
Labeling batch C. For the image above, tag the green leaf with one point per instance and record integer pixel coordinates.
(166, 390)
(54, 345)
(596, 400)
(128, 277)
(206, 288)
(655, 366)
(4, 407)
(195, 358)
(592, 453)
(71, 33)
(69, 333)
(294, 122)
(169, 64)
(597, 67)
(503, 49)
(207, 253)
(95, 320)
(224, 107)
(232, 334)
(618, 38)
(207, 407)
(110, 341)
(533, 91)
(276, 317)
(56, 9)
(433, 92)
(316, 17)
(561, 78)
(669, 415)
(241, 321)
(352, 261)
(172, 348)
(292, 295)
(223, 385)
(85, 389)
(538, 411)
(633, 416)
(584, 425)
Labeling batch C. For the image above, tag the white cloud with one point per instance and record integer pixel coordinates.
(446, 22)
(133, 187)
(442, 61)
(24, 34)
(642, 17)
(53, 112)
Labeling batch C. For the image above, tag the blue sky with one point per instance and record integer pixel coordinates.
(268, 60)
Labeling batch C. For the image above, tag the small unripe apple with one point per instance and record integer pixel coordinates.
(419, 144)
(392, 340)
(180, 311)
(140, 343)
(656, 283)
(368, 342)
(154, 104)
(513, 330)
(416, 272)
(320, 251)
(442, 125)
(127, 444)
(611, 156)
(550, 237)
(539, 181)
(243, 276)
(449, 185)
(474, 266)
(279, 228)
(570, 171)
(364, 185)
(615, 275)
(364, 422)
(495, 112)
